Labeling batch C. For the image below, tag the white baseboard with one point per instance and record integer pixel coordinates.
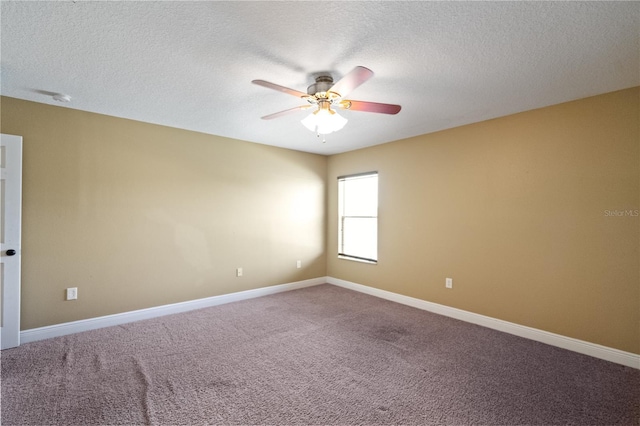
(580, 346)
(598, 351)
(56, 330)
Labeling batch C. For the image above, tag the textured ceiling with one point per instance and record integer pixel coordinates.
(190, 64)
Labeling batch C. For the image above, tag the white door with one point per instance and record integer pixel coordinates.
(10, 218)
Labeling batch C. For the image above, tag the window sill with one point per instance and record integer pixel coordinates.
(353, 259)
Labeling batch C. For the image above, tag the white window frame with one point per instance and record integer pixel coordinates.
(343, 200)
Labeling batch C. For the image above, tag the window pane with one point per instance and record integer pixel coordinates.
(361, 196)
(360, 237)
(358, 216)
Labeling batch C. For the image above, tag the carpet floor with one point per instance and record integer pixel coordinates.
(319, 355)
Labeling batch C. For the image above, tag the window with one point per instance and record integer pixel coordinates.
(358, 217)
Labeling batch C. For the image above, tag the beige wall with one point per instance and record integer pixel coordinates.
(138, 215)
(515, 211)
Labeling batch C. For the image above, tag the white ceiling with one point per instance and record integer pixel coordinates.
(190, 64)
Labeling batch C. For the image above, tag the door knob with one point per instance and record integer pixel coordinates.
(11, 252)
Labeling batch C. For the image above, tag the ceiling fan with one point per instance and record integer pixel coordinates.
(325, 96)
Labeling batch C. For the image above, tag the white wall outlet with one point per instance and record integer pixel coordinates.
(448, 283)
(299, 264)
(72, 293)
(238, 272)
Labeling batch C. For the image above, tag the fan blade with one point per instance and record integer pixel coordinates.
(279, 88)
(285, 112)
(353, 79)
(370, 107)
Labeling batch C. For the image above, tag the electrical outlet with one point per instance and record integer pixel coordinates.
(72, 293)
(448, 283)
(239, 272)
(299, 264)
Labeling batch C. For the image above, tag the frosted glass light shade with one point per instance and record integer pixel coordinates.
(324, 122)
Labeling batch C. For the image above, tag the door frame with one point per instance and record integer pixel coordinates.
(11, 176)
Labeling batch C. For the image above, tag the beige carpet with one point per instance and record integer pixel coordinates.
(320, 355)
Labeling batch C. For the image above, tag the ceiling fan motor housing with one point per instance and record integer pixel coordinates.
(323, 84)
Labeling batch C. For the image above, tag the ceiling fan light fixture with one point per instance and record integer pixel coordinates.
(324, 121)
